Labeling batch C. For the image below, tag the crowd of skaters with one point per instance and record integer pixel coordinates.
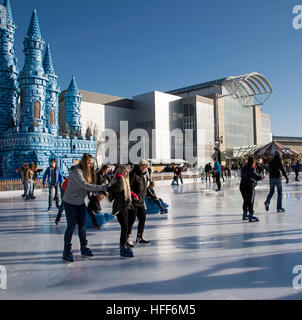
(126, 187)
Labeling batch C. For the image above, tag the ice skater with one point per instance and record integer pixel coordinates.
(82, 178)
(29, 183)
(61, 209)
(249, 179)
(152, 197)
(22, 175)
(94, 207)
(217, 173)
(275, 169)
(54, 178)
(208, 170)
(121, 195)
(138, 185)
(102, 175)
(297, 168)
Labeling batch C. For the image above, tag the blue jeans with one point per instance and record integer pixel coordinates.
(158, 202)
(75, 215)
(275, 182)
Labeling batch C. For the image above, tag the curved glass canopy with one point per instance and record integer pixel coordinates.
(251, 89)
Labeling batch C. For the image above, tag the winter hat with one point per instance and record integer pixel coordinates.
(144, 163)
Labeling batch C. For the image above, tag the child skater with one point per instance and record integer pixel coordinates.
(94, 206)
(153, 198)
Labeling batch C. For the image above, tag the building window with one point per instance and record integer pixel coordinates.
(36, 110)
(52, 117)
(22, 98)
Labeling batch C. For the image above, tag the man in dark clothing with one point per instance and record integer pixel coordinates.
(54, 177)
(208, 170)
(297, 170)
(275, 166)
(179, 174)
(138, 184)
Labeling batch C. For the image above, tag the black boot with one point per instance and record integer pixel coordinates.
(85, 251)
(245, 216)
(140, 240)
(67, 254)
(252, 218)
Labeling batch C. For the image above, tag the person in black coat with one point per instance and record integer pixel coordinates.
(121, 195)
(249, 179)
(138, 184)
(102, 176)
(275, 169)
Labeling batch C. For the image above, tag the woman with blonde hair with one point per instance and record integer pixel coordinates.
(82, 179)
(121, 195)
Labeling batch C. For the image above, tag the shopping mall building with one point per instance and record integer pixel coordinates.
(225, 113)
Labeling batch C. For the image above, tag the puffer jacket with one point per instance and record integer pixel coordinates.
(138, 184)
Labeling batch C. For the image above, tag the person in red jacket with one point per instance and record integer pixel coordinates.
(61, 208)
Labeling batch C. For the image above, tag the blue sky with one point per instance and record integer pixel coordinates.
(129, 47)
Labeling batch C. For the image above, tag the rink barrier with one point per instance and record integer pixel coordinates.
(170, 177)
(16, 184)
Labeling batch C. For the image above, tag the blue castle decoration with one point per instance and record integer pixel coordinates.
(29, 105)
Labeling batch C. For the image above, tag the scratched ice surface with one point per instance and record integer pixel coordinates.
(200, 250)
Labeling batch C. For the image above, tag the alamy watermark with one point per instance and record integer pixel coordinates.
(3, 278)
(297, 281)
(297, 21)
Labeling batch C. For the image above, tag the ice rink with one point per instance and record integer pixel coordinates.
(200, 250)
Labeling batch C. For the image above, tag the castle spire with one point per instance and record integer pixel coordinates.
(9, 15)
(9, 88)
(73, 88)
(47, 61)
(33, 80)
(73, 100)
(34, 27)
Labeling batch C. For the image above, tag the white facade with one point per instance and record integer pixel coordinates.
(205, 130)
(267, 135)
(158, 113)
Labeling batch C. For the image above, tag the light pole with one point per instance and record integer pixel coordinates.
(218, 142)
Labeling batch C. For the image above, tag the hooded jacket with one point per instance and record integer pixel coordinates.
(78, 187)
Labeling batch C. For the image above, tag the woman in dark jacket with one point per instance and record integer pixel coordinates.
(121, 195)
(138, 183)
(249, 179)
(102, 177)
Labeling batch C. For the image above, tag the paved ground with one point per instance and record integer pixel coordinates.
(201, 250)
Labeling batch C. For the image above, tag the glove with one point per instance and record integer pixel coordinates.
(134, 195)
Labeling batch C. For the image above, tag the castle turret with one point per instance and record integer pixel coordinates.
(33, 80)
(9, 89)
(52, 94)
(73, 100)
